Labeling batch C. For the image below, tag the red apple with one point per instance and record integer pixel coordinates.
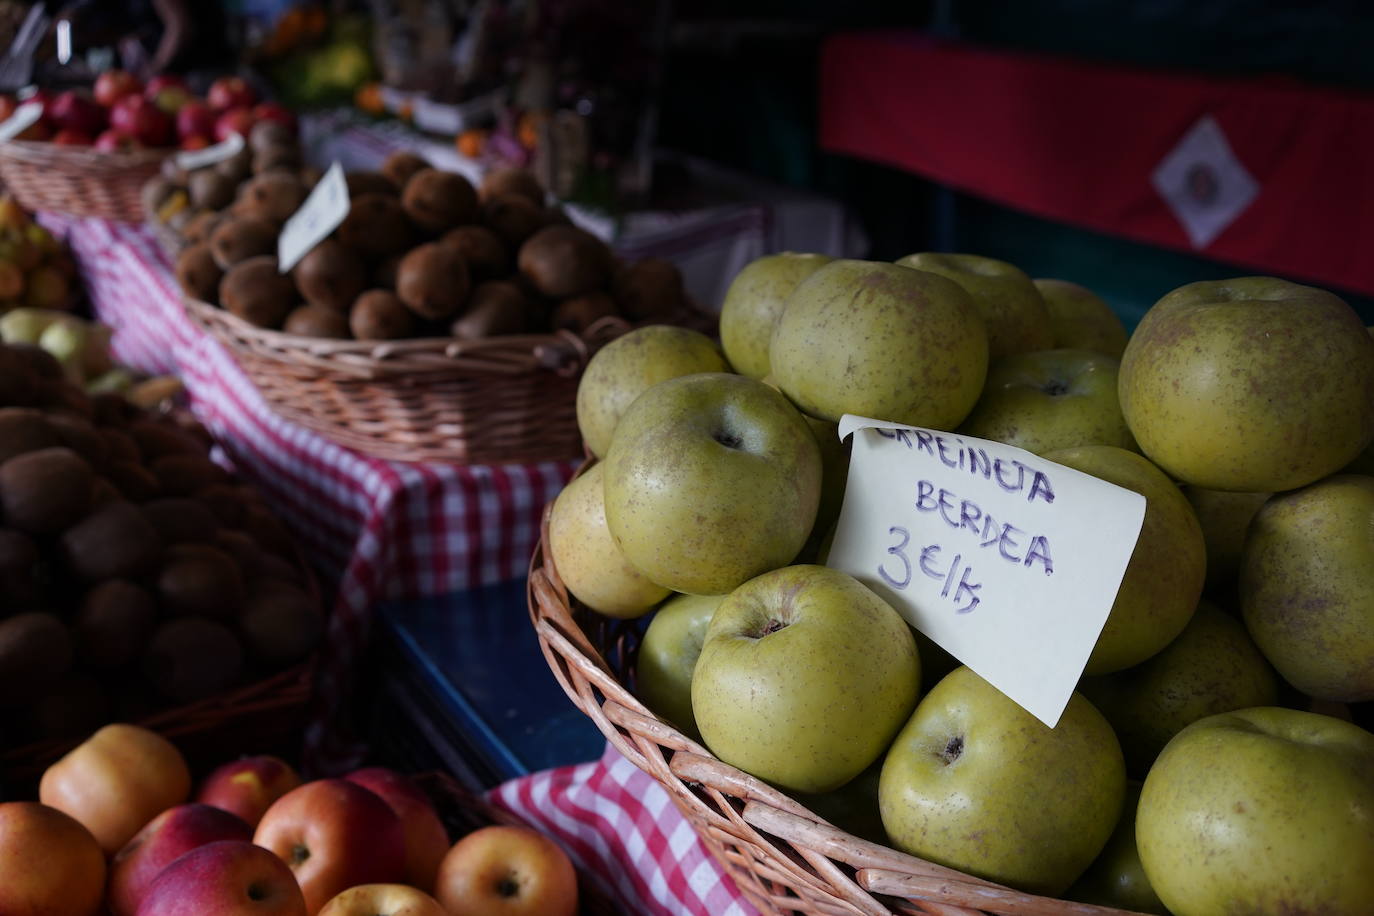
(426, 839)
(230, 92)
(513, 871)
(233, 121)
(68, 137)
(383, 900)
(273, 111)
(8, 104)
(113, 85)
(334, 834)
(49, 863)
(247, 787)
(164, 81)
(76, 111)
(193, 142)
(142, 120)
(195, 117)
(227, 878)
(112, 141)
(165, 838)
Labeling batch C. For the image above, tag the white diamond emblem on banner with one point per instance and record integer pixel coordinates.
(1203, 182)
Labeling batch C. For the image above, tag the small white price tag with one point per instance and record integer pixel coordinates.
(1008, 561)
(190, 160)
(320, 215)
(24, 117)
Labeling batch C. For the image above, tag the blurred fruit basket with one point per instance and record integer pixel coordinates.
(76, 180)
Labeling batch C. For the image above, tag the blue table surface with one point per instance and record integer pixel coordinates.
(476, 653)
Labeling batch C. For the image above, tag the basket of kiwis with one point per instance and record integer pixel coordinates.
(439, 322)
(139, 580)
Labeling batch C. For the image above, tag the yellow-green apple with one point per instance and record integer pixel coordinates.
(1050, 399)
(1116, 877)
(247, 787)
(1230, 385)
(426, 839)
(834, 476)
(1363, 463)
(882, 341)
(853, 807)
(1017, 318)
(1264, 810)
(711, 479)
(334, 834)
(668, 655)
(754, 302)
(805, 676)
(1163, 580)
(1079, 318)
(587, 558)
(383, 900)
(1211, 667)
(166, 837)
(225, 878)
(1307, 587)
(117, 780)
(507, 871)
(1224, 516)
(49, 863)
(630, 365)
(976, 783)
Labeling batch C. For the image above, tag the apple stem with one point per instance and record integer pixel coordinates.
(728, 440)
(773, 627)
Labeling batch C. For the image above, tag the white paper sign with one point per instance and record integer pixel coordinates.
(24, 117)
(320, 215)
(190, 160)
(1008, 561)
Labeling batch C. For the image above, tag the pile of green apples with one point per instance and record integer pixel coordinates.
(1209, 762)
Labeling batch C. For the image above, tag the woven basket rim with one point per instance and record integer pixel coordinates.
(83, 158)
(848, 874)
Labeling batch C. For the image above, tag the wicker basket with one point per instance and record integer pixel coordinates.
(77, 180)
(498, 400)
(462, 812)
(783, 858)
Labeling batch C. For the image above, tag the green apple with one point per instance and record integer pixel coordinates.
(1307, 587)
(587, 559)
(1224, 517)
(754, 302)
(976, 783)
(630, 365)
(668, 654)
(1363, 463)
(1212, 667)
(834, 477)
(1253, 384)
(805, 676)
(1050, 399)
(1163, 581)
(1265, 810)
(881, 341)
(853, 807)
(1116, 878)
(1080, 319)
(711, 479)
(1017, 318)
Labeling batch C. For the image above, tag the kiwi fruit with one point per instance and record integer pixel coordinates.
(581, 312)
(517, 181)
(310, 175)
(486, 255)
(45, 491)
(201, 225)
(266, 530)
(221, 500)
(273, 196)
(330, 275)
(155, 192)
(119, 445)
(134, 481)
(436, 200)
(75, 706)
(242, 548)
(19, 569)
(279, 159)
(204, 582)
(180, 520)
(379, 314)
(255, 291)
(81, 436)
(24, 429)
(114, 541)
(266, 135)
(564, 261)
(184, 474)
(384, 274)
(198, 273)
(103, 492)
(192, 658)
(155, 438)
(360, 183)
(31, 359)
(495, 307)
(649, 289)
(237, 167)
(317, 321)
(401, 165)
(35, 650)
(279, 626)
(432, 280)
(376, 225)
(209, 190)
(111, 410)
(273, 569)
(112, 624)
(239, 238)
(512, 217)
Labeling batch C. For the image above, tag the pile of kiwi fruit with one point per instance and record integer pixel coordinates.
(422, 253)
(136, 574)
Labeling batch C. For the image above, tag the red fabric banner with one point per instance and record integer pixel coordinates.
(1284, 186)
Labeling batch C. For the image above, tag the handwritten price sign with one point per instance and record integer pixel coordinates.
(320, 215)
(1008, 561)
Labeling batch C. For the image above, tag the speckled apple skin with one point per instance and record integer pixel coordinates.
(668, 656)
(755, 301)
(1017, 319)
(1081, 319)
